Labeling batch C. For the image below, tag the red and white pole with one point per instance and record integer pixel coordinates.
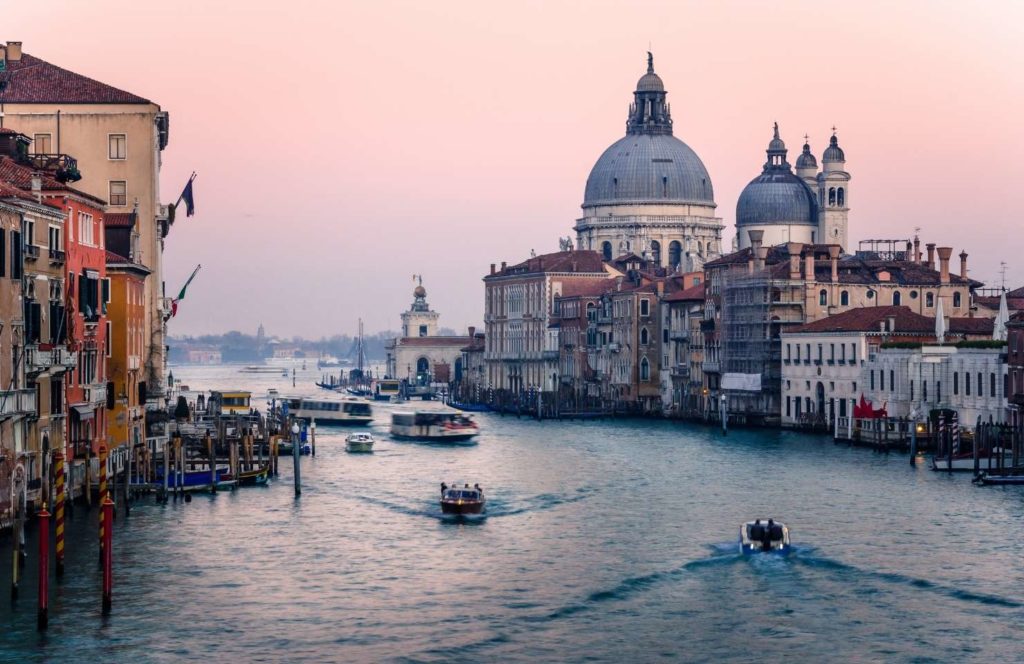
(44, 568)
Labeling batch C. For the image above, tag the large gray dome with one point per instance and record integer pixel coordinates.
(776, 196)
(645, 168)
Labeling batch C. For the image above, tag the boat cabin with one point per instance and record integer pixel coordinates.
(229, 403)
(431, 417)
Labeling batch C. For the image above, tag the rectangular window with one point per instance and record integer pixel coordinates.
(118, 192)
(41, 144)
(645, 307)
(881, 380)
(118, 146)
(789, 407)
(16, 249)
(981, 386)
(967, 383)
(3, 252)
(109, 343)
(872, 380)
(956, 383)
(29, 231)
(54, 238)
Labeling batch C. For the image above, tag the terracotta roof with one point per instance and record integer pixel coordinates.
(476, 345)
(588, 288)
(433, 341)
(972, 325)
(869, 319)
(581, 261)
(688, 295)
(116, 258)
(20, 175)
(7, 191)
(34, 81)
(119, 219)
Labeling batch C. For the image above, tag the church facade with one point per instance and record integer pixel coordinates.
(422, 356)
(649, 193)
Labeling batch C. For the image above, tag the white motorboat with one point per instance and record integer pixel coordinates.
(330, 409)
(764, 536)
(359, 442)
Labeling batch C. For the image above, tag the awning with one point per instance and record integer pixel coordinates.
(85, 411)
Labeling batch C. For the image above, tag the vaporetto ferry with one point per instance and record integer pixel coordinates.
(331, 409)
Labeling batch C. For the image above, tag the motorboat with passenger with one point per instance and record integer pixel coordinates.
(464, 500)
(359, 442)
(436, 426)
(764, 536)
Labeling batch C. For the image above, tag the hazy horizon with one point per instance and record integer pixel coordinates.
(338, 157)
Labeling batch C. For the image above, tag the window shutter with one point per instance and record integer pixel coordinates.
(106, 294)
(16, 264)
(36, 316)
(3, 252)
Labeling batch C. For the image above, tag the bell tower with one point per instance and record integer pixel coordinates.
(833, 196)
(419, 320)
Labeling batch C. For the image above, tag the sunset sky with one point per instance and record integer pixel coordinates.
(344, 146)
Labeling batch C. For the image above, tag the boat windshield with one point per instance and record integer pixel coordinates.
(456, 494)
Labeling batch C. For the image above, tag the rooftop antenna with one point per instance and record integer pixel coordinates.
(1002, 274)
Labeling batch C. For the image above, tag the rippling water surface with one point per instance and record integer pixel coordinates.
(604, 541)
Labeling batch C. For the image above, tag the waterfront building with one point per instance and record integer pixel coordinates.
(126, 338)
(422, 356)
(521, 346)
(807, 206)
(575, 317)
(471, 389)
(968, 378)
(116, 138)
(824, 362)
(1015, 368)
(649, 193)
(753, 295)
(682, 381)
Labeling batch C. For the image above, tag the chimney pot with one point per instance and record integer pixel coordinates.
(14, 51)
(931, 255)
(794, 249)
(944, 254)
(963, 264)
(492, 268)
(472, 331)
(756, 238)
(503, 266)
(809, 265)
(917, 250)
(892, 323)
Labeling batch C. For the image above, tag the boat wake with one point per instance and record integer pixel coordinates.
(498, 507)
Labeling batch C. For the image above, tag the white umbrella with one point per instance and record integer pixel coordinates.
(940, 323)
(1002, 318)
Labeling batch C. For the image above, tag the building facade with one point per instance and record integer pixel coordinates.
(422, 356)
(125, 348)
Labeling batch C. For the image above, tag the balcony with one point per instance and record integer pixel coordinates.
(65, 358)
(17, 402)
(549, 354)
(614, 347)
(710, 366)
(679, 335)
(96, 393)
(680, 371)
(36, 360)
(63, 167)
(58, 256)
(31, 251)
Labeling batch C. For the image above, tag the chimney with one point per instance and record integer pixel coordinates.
(492, 268)
(502, 266)
(661, 289)
(963, 264)
(892, 323)
(750, 263)
(944, 254)
(618, 283)
(931, 255)
(794, 249)
(472, 332)
(833, 257)
(917, 249)
(14, 51)
(756, 237)
(762, 255)
(809, 265)
(37, 186)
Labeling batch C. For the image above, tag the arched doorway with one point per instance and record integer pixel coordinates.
(422, 371)
(458, 370)
(606, 250)
(675, 253)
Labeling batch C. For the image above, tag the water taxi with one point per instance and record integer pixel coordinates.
(437, 426)
(359, 442)
(764, 536)
(333, 409)
(465, 500)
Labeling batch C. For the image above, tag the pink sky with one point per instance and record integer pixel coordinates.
(343, 147)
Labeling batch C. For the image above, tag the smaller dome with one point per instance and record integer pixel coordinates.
(833, 152)
(650, 82)
(776, 196)
(806, 159)
(777, 144)
(420, 291)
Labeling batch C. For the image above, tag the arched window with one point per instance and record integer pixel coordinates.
(656, 252)
(422, 371)
(606, 250)
(831, 196)
(823, 297)
(645, 369)
(967, 383)
(992, 385)
(956, 300)
(841, 197)
(897, 299)
(675, 253)
(645, 337)
(664, 187)
(956, 383)
(844, 298)
(981, 385)
(929, 300)
(458, 370)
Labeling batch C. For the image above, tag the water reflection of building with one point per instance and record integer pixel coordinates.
(421, 355)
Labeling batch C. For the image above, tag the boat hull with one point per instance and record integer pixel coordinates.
(453, 439)
(462, 507)
(358, 448)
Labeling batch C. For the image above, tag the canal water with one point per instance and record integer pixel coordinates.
(607, 541)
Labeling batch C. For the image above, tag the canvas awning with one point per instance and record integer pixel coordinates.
(85, 411)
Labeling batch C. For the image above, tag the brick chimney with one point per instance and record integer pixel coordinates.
(756, 238)
(492, 268)
(762, 256)
(472, 331)
(833, 257)
(809, 265)
(931, 255)
(502, 266)
(661, 288)
(794, 249)
(917, 249)
(963, 264)
(944, 254)
(14, 51)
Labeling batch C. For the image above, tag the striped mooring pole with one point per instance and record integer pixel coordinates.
(58, 471)
(43, 615)
(102, 497)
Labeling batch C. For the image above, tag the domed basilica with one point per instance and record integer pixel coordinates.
(807, 206)
(649, 193)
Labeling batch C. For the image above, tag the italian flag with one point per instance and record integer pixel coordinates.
(181, 294)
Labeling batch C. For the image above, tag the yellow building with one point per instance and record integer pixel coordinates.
(126, 315)
(117, 138)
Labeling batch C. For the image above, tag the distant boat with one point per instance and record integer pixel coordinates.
(330, 409)
(256, 368)
(465, 500)
(359, 442)
(437, 426)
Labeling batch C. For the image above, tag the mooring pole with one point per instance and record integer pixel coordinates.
(296, 451)
(58, 470)
(108, 556)
(42, 617)
(103, 496)
(212, 452)
(913, 441)
(312, 437)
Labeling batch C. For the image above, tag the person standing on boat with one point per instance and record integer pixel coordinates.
(444, 487)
